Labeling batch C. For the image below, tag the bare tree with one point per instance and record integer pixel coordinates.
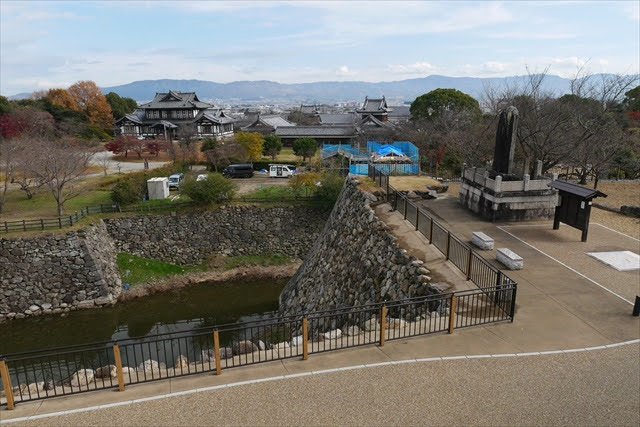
(607, 89)
(8, 163)
(59, 164)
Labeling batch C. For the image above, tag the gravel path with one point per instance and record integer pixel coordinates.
(590, 388)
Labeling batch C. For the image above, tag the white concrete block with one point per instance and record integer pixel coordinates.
(510, 259)
(482, 241)
(620, 260)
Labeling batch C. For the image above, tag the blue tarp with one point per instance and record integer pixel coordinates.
(388, 150)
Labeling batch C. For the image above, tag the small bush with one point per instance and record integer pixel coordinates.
(132, 187)
(329, 189)
(213, 189)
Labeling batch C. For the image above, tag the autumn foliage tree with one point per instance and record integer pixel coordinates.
(252, 143)
(91, 100)
(62, 98)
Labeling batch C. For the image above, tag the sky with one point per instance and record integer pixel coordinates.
(54, 44)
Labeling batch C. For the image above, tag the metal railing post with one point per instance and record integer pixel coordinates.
(469, 264)
(305, 339)
(448, 245)
(452, 313)
(417, 216)
(431, 230)
(6, 382)
(118, 362)
(383, 324)
(405, 207)
(513, 302)
(216, 348)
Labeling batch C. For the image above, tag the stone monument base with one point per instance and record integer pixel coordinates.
(496, 200)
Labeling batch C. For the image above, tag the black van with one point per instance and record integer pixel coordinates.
(238, 171)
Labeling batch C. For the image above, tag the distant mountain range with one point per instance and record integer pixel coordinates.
(320, 92)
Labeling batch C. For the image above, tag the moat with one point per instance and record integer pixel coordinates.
(201, 305)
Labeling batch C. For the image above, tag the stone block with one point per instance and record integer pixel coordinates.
(482, 241)
(510, 259)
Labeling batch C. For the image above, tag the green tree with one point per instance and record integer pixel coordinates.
(120, 106)
(432, 104)
(329, 189)
(305, 147)
(5, 105)
(214, 188)
(252, 143)
(632, 99)
(209, 143)
(272, 146)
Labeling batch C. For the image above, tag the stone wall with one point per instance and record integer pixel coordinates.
(355, 261)
(57, 273)
(231, 230)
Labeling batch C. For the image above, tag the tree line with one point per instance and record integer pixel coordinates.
(46, 141)
(594, 131)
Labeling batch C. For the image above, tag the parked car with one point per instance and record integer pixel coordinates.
(201, 177)
(281, 171)
(238, 171)
(175, 180)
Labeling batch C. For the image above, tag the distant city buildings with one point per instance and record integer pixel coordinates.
(172, 111)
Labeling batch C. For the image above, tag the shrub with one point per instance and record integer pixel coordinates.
(132, 187)
(329, 189)
(305, 184)
(213, 189)
(305, 147)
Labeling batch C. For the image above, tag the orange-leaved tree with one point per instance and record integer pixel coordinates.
(91, 100)
(62, 98)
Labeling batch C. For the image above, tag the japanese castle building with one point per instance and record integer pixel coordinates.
(168, 112)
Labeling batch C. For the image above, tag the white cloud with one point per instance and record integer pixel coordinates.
(420, 67)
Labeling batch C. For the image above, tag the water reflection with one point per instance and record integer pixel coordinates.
(196, 306)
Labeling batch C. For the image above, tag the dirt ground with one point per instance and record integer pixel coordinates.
(619, 193)
(247, 185)
(406, 183)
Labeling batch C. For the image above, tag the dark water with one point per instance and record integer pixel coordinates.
(195, 306)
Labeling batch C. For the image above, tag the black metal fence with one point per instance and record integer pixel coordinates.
(69, 220)
(76, 369)
(473, 265)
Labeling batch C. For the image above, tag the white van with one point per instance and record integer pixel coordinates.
(281, 171)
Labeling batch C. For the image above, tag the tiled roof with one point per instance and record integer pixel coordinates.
(337, 119)
(273, 121)
(370, 119)
(136, 117)
(316, 131)
(399, 111)
(374, 105)
(173, 99)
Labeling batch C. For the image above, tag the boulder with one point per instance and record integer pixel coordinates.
(261, 345)
(82, 377)
(281, 346)
(372, 324)
(35, 389)
(207, 355)
(244, 347)
(182, 362)
(335, 333)
(351, 330)
(295, 341)
(108, 371)
(148, 366)
(226, 353)
(395, 323)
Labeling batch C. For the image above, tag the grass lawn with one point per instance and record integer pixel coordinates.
(286, 155)
(43, 204)
(271, 193)
(135, 269)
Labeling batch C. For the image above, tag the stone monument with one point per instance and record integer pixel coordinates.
(498, 193)
(505, 141)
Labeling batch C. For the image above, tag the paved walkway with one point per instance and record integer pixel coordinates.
(558, 309)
